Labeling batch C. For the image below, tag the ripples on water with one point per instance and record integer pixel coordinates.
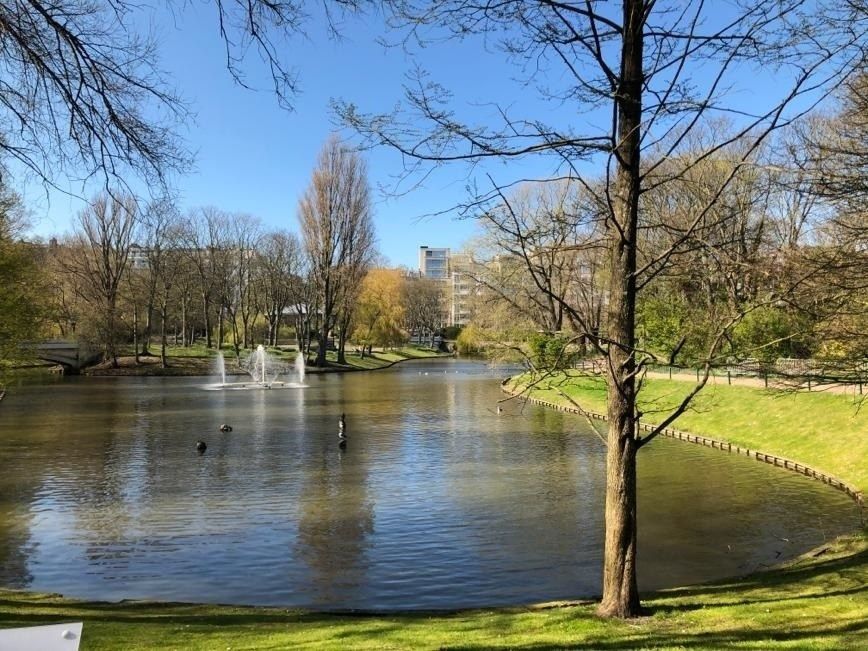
(436, 502)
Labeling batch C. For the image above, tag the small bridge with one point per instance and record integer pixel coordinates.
(71, 355)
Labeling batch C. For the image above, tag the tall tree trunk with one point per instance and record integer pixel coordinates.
(184, 341)
(620, 591)
(163, 361)
(207, 319)
(220, 329)
(342, 342)
(322, 341)
(146, 335)
(110, 351)
(342, 345)
(136, 331)
(236, 335)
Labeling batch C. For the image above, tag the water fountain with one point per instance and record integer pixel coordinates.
(264, 370)
(220, 367)
(299, 367)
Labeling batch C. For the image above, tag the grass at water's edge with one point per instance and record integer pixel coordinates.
(827, 431)
(819, 601)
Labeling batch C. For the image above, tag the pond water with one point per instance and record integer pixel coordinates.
(436, 502)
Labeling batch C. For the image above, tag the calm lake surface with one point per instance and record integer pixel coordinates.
(437, 502)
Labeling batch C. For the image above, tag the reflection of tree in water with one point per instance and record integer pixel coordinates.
(336, 517)
(64, 464)
(15, 551)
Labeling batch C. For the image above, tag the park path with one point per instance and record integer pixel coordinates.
(773, 383)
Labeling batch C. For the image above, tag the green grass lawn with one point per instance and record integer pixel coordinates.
(827, 431)
(383, 358)
(813, 603)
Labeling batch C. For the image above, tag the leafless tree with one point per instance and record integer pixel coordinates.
(102, 245)
(543, 248)
(338, 234)
(204, 239)
(239, 297)
(643, 76)
(424, 300)
(278, 270)
(162, 228)
(82, 90)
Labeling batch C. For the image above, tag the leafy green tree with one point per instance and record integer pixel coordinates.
(470, 340)
(768, 333)
(380, 309)
(21, 281)
(549, 352)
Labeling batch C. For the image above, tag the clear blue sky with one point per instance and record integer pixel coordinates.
(253, 157)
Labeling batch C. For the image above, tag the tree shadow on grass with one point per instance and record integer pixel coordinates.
(855, 634)
(776, 579)
(673, 620)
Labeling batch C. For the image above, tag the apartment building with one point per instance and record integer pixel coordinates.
(433, 263)
(459, 287)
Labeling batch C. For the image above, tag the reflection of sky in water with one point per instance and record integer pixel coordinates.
(437, 501)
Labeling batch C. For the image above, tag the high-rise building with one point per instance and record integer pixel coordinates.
(434, 263)
(463, 288)
(459, 286)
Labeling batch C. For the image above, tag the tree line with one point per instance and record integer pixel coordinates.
(130, 275)
(772, 268)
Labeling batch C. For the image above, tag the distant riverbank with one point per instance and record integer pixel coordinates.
(200, 361)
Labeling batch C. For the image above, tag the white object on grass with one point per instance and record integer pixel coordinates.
(56, 637)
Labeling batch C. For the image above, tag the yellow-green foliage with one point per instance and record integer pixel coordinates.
(470, 341)
(21, 296)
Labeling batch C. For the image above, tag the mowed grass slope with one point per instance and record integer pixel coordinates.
(827, 431)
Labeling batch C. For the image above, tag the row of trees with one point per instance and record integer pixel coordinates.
(132, 275)
(128, 274)
(771, 266)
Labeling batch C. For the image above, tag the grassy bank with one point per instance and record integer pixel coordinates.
(816, 602)
(824, 430)
(199, 360)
